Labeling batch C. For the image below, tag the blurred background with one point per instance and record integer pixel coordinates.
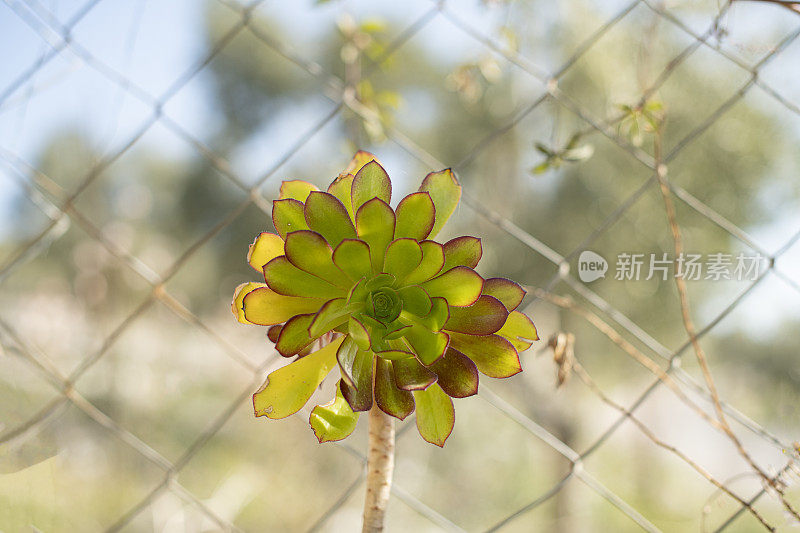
(140, 145)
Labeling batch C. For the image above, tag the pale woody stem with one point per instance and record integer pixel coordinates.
(380, 465)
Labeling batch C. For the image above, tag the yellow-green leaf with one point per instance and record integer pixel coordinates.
(266, 307)
(435, 414)
(288, 215)
(331, 315)
(358, 332)
(445, 192)
(519, 330)
(505, 290)
(308, 251)
(394, 355)
(359, 394)
(346, 357)
(288, 389)
(492, 354)
(334, 420)
(391, 400)
(285, 278)
(428, 345)
(359, 160)
(415, 216)
(294, 335)
(462, 251)
(459, 286)
(297, 189)
(375, 226)
(402, 257)
(237, 305)
(439, 314)
(341, 188)
(415, 300)
(326, 215)
(353, 258)
(430, 265)
(370, 182)
(264, 249)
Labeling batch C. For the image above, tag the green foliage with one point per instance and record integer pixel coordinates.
(573, 152)
(640, 119)
(407, 320)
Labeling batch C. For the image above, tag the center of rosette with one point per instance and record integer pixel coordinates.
(384, 304)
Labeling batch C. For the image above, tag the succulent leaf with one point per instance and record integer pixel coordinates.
(353, 258)
(519, 330)
(459, 286)
(492, 354)
(391, 400)
(438, 315)
(371, 181)
(297, 189)
(288, 215)
(359, 160)
(264, 249)
(358, 292)
(415, 300)
(435, 414)
(402, 257)
(428, 345)
(445, 192)
(346, 357)
(274, 332)
(334, 420)
(309, 251)
(237, 305)
(505, 290)
(332, 314)
(462, 251)
(326, 215)
(288, 389)
(430, 265)
(395, 331)
(359, 394)
(285, 278)
(294, 335)
(410, 374)
(416, 215)
(379, 281)
(358, 332)
(266, 307)
(341, 188)
(457, 374)
(486, 316)
(394, 355)
(375, 226)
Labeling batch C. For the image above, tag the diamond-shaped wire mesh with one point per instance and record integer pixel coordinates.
(141, 143)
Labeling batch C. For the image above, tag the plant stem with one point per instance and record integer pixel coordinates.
(380, 465)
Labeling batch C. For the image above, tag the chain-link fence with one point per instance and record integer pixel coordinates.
(641, 436)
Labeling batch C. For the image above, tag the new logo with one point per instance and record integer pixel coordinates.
(591, 266)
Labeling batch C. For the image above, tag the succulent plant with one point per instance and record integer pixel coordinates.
(353, 283)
